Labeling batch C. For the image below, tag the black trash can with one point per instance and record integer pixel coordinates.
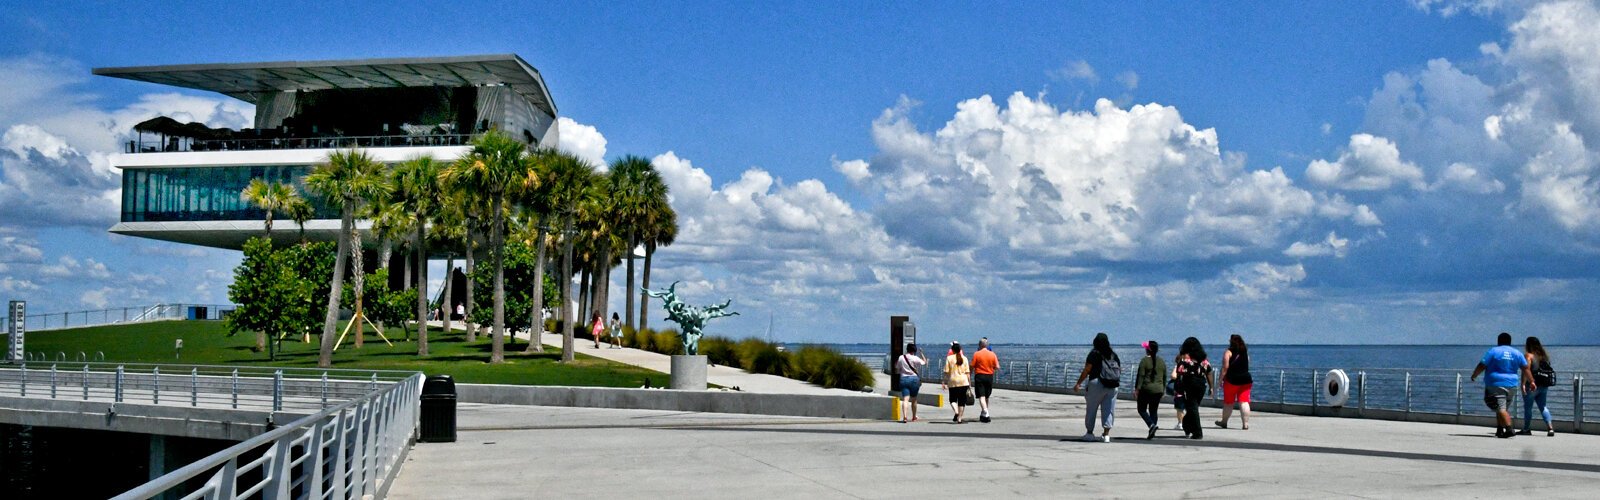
(438, 410)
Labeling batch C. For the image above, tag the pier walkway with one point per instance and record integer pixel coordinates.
(1030, 450)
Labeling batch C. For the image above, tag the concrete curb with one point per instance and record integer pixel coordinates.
(795, 405)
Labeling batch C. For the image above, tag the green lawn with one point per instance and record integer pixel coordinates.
(208, 343)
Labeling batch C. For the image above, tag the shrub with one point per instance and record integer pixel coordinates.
(719, 351)
(844, 372)
(757, 356)
(666, 342)
(807, 364)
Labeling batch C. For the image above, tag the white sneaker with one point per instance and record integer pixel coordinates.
(1106, 438)
(1178, 426)
(1089, 438)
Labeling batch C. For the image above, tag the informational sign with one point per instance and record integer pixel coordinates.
(909, 330)
(18, 312)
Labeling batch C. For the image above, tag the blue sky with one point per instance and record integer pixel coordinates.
(1341, 172)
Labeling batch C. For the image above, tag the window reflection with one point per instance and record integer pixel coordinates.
(205, 193)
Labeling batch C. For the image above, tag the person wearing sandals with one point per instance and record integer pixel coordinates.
(958, 379)
(908, 366)
(1150, 383)
(1236, 382)
(1544, 376)
(1193, 375)
(1103, 369)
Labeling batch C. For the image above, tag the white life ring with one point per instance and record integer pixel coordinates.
(1336, 388)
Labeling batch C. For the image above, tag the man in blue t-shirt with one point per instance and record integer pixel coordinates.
(1505, 364)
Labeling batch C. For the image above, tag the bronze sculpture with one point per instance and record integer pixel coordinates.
(690, 319)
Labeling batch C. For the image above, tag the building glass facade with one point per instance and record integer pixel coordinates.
(205, 193)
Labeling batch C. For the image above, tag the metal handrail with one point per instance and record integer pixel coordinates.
(116, 315)
(222, 386)
(350, 450)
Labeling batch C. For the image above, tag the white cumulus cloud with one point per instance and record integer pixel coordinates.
(583, 141)
(1369, 163)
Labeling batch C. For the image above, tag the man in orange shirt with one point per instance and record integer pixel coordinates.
(984, 365)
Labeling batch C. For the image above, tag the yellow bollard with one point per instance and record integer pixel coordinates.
(895, 415)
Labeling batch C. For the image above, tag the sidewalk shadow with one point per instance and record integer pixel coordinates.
(1235, 445)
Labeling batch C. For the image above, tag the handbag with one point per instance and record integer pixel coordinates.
(966, 397)
(1172, 387)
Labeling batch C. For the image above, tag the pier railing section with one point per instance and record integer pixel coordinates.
(1429, 395)
(120, 315)
(349, 450)
(255, 388)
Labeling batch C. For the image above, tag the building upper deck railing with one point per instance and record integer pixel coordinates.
(254, 143)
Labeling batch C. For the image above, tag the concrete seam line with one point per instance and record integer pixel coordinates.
(664, 426)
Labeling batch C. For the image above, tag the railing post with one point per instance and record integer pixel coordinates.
(373, 386)
(324, 389)
(1458, 398)
(235, 388)
(52, 381)
(155, 385)
(1577, 403)
(194, 387)
(24, 380)
(1027, 374)
(85, 382)
(1408, 395)
(1361, 393)
(277, 390)
(1315, 390)
(118, 395)
(1282, 400)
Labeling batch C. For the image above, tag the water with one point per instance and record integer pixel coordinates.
(1347, 357)
(1420, 378)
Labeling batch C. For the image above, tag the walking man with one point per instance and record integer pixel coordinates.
(984, 365)
(1507, 370)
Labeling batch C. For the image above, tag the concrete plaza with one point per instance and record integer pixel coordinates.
(1030, 450)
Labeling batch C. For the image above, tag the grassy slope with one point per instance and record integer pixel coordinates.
(208, 343)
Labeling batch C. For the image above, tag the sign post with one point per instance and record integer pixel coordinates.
(16, 330)
(901, 332)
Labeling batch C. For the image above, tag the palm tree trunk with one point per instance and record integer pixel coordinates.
(585, 292)
(536, 323)
(628, 291)
(422, 291)
(466, 317)
(566, 295)
(360, 276)
(497, 350)
(644, 300)
(325, 345)
(261, 337)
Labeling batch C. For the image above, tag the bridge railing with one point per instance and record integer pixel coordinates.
(1387, 393)
(269, 388)
(349, 450)
(119, 315)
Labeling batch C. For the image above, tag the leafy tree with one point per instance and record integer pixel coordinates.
(520, 276)
(311, 264)
(384, 305)
(417, 194)
(272, 198)
(348, 179)
(263, 287)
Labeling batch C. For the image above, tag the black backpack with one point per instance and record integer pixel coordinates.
(1543, 374)
(1110, 371)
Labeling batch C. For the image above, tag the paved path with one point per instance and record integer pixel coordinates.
(724, 376)
(527, 452)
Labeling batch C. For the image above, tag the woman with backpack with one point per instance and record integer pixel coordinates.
(1149, 385)
(1104, 371)
(958, 379)
(1236, 382)
(1193, 376)
(1544, 376)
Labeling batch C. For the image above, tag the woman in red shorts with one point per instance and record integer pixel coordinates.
(1236, 382)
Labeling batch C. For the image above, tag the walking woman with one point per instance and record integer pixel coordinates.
(1544, 376)
(1104, 371)
(958, 379)
(1150, 383)
(1236, 382)
(908, 366)
(1193, 376)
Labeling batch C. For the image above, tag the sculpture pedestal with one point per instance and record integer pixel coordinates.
(688, 373)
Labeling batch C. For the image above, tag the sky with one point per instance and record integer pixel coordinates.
(1422, 171)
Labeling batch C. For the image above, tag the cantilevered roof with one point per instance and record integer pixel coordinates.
(246, 81)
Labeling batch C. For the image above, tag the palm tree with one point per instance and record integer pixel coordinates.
(567, 177)
(270, 197)
(489, 168)
(301, 212)
(633, 181)
(349, 178)
(417, 193)
(534, 198)
(660, 231)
